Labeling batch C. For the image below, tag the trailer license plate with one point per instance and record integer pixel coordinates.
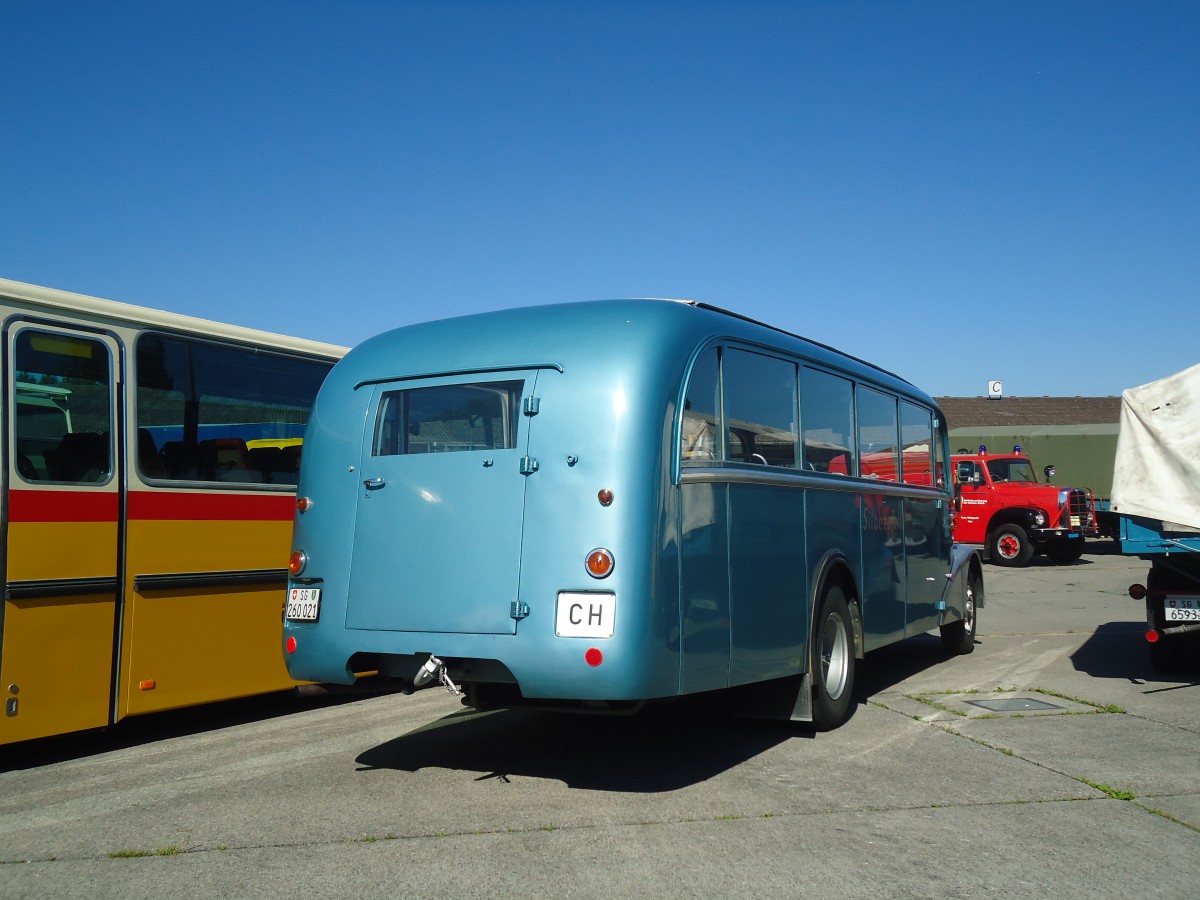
(1182, 609)
(303, 604)
(589, 615)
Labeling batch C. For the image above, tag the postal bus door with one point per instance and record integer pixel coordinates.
(61, 527)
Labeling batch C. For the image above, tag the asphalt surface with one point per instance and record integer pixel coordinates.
(1077, 777)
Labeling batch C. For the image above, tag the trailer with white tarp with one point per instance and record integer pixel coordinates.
(1156, 492)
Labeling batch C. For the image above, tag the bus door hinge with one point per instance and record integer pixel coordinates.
(529, 465)
(531, 406)
(518, 610)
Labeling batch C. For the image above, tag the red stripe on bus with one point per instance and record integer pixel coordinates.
(101, 506)
(62, 506)
(170, 505)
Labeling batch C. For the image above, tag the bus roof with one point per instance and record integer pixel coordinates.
(558, 334)
(101, 312)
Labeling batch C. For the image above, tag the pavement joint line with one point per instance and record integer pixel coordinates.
(1106, 792)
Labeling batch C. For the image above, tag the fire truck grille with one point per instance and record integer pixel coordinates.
(1079, 510)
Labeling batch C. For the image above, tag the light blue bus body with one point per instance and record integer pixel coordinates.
(460, 475)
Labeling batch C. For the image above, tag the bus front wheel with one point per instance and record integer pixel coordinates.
(833, 661)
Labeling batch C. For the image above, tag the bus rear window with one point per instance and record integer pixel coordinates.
(448, 418)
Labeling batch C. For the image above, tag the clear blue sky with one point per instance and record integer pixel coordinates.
(957, 191)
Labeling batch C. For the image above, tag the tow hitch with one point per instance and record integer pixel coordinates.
(435, 668)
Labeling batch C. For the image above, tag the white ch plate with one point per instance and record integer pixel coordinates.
(303, 604)
(587, 615)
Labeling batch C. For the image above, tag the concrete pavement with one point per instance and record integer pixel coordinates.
(1050, 762)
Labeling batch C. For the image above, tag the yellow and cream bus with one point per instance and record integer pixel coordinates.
(149, 469)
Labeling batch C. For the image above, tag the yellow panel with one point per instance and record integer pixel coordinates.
(39, 550)
(206, 546)
(206, 644)
(203, 646)
(58, 653)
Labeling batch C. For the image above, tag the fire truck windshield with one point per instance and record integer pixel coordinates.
(1019, 470)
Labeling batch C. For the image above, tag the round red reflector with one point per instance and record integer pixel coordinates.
(605, 496)
(593, 657)
(1152, 637)
(291, 645)
(298, 561)
(303, 504)
(599, 563)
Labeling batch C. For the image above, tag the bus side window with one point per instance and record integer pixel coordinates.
(760, 408)
(698, 432)
(917, 443)
(219, 413)
(877, 435)
(827, 421)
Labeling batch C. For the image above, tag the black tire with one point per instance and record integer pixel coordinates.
(959, 637)
(1009, 545)
(833, 663)
(1065, 551)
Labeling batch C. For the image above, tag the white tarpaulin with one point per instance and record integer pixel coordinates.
(1157, 471)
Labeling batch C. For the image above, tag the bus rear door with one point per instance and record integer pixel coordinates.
(62, 488)
(441, 497)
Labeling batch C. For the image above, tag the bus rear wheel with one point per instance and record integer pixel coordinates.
(959, 637)
(833, 661)
(1009, 545)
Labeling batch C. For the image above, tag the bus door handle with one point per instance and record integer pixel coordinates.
(374, 484)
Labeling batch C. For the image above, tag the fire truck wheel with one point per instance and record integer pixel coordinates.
(1009, 545)
(959, 637)
(832, 648)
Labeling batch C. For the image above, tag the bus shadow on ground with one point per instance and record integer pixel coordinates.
(885, 668)
(1119, 650)
(662, 748)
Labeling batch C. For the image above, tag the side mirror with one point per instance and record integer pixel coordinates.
(1049, 470)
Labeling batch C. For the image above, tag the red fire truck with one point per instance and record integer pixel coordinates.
(1003, 506)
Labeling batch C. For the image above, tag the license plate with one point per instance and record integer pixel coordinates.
(303, 604)
(1076, 521)
(587, 615)
(1182, 609)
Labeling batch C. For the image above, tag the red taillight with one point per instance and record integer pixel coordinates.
(605, 496)
(1152, 637)
(291, 645)
(298, 561)
(304, 504)
(599, 563)
(593, 657)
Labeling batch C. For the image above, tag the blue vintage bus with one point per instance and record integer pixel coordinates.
(594, 505)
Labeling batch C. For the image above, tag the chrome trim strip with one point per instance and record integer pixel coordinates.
(805, 480)
(188, 580)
